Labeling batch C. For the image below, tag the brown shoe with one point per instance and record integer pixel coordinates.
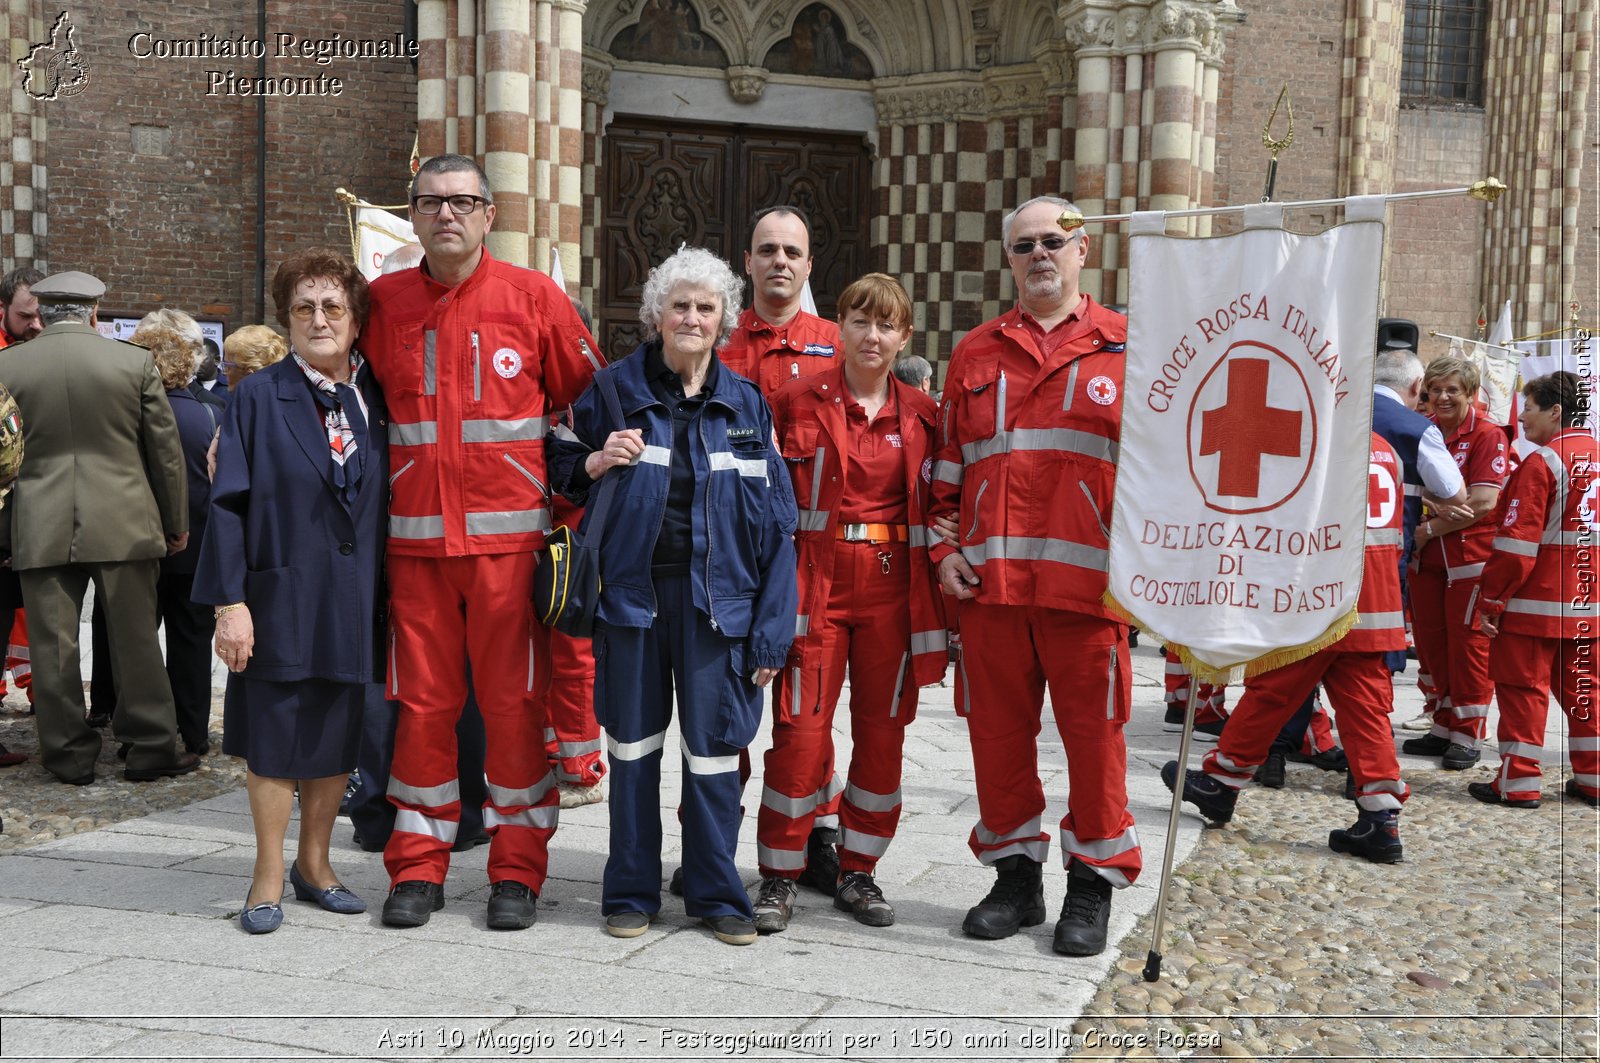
(9, 759)
(185, 763)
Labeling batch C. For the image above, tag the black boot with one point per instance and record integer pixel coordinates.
(1015, 901)
(822, 861)
(1081, 930)
(1374, 836)
(1272, 773)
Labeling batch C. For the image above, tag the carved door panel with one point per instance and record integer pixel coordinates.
(666, 184)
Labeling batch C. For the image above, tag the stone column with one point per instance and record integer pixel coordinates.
(433, 78)
(1369, 108)
(23, 174)
(506, 134)
(596, 92)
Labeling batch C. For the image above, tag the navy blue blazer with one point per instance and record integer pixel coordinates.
(195, 430)
(281, 539)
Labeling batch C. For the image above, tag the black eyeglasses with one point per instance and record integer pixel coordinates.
(462, 204)
(1051, 244)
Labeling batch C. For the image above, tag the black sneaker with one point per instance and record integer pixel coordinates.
(857, 893)
(1214, 800)
(411, 902)
(1273, 773)
(773, 904)
(731, 929)
(1374, 836)
(1426, 746)
(1328, 760)
(1574, 790)
(1085, 914)
(675, 883)
(627, 924)
(822, 861)
(1458, 757)
(512, 906)
(1207, 731)
(1485, 792)
(1014, 901)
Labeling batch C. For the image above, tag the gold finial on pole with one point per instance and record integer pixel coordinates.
(1275, 145)
(1070, 220)
(1488, 190)
(345, 196)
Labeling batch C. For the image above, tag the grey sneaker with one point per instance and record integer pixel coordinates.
(731, 929)
(773, 904)
(627, 924)
(857, 893)
(575, 796)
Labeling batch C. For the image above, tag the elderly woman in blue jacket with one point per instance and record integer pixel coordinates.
(698, 595)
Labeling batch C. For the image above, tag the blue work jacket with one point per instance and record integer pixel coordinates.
(743, 517)
(282, 538)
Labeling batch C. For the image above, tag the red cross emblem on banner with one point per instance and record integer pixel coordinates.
(1254, 405)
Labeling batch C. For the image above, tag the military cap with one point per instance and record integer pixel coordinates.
(1394, 334)
(68, 287)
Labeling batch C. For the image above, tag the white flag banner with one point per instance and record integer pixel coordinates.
(1543, 357)
(1242, 481)
(379, 232)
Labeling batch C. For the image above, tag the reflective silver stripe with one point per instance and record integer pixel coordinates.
(411, 821)
(1384, 786)
(394, 673)
(540, 817)
(510, 522)
(725, 461)
(494, 431)
(425, 796)
(1101, 849)
(1521, 749)
(1464, 571)
(1413, 490)
(636, 750)
(430, 359)
(802, 624)
(816, 478)
(987, 837)
(709, 765)
(1521, 547)
(529, 687)
(1229, 765)
(1583, 745)
(656, 456)
(414, 434)
(1111, 685)
(865, 844)
(920, 537)
(416, 527)
(784, 805)
(404, 468)
(947, 472)
(1015, 548)
(1065, 440)
(825, 821)
(549, 734)
(794, 691)
(1532, 607)
(1380, 621)
(1591, 781)
(1034, 849)
(1558, 501)
(1470, 712)
(830, 789)
(867, 801)
(1384, 536)
(1380, 802)
(583, 345)
(935, 641)
(1072, 385)
(506, 797)
(577, 749)
(1176, 668)
(813, 520)
(781, 859)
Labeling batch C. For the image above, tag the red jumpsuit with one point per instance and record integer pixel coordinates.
(1211, 700)
(1352, 670)
(1453, 651)
(772, 356)
(571, 733)
(1540, 582)
(471, 374)
(869, 604)
(1027, 458)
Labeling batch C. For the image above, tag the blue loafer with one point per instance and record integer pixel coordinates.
(336, 898)
(260, 918)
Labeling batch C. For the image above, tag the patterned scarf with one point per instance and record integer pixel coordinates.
(344, 419)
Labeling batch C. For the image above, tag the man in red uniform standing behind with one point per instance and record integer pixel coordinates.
(1031, 417)
(473, 355)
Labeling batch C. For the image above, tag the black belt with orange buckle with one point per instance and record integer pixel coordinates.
(873, 533)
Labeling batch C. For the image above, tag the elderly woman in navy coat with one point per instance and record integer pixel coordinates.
(291, 563)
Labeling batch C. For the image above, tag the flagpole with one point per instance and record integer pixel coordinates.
(1487, 190)
(1463, 339)
(1152, 960)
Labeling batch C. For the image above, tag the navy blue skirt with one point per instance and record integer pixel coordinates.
(306, 729)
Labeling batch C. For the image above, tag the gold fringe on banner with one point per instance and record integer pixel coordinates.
(1208, 673)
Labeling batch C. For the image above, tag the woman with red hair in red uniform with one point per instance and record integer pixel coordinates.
(859, 447)
(1537, 597)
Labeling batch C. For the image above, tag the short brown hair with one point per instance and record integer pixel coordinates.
(1561, 389)
(249, 349)
(322, 262)
(173, 354)
(1440, 368)
(878, 295)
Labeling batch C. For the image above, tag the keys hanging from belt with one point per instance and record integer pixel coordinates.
(884, 557)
